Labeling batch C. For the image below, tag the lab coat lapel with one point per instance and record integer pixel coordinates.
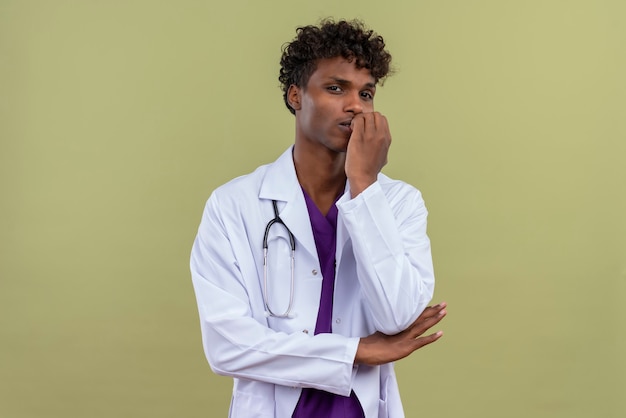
(342, 232)
(281, 184)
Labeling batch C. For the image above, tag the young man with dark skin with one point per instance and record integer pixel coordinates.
(364, 232)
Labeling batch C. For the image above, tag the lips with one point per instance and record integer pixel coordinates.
(346, 125)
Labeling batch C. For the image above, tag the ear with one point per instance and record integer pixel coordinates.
(293, 97)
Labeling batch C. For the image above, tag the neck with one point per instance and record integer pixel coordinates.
(321, 174)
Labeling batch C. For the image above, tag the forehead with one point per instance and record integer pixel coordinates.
(339, 68)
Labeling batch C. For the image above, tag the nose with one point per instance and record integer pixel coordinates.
(354, 104)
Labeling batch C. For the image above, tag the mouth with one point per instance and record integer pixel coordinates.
(346, 125)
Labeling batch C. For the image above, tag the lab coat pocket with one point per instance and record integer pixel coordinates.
(390, 404)
(383, 407)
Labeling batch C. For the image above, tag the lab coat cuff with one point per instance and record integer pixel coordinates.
(346, 203)
(353, 345)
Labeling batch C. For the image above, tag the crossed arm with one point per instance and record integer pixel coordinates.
(367, 154)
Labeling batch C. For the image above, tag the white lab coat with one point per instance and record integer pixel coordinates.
(384, 280)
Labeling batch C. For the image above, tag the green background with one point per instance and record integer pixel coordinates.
(118, 118)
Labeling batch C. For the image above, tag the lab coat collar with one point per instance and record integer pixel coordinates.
(281, 184)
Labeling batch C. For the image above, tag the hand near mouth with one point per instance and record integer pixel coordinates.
(367, 150)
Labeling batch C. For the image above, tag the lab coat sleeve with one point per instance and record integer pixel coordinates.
(392, 252)
(240, 345)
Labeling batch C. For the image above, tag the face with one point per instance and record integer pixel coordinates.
(334, 94)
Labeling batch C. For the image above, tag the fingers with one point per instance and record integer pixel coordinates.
(380, 348)
(432, 310)
(429, 318)
(429, 339)
(367, 150)
(370, 122)
(380, 123)
(358, 125)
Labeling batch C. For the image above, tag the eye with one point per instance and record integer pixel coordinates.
(367, 95)
(334, 88)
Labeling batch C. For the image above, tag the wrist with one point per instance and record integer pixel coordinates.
(358, 185)
(361, 353)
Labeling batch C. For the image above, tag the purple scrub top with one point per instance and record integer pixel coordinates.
(314, 403)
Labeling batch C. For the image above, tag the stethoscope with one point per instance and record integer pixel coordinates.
(292, 241)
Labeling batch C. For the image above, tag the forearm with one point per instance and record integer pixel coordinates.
(392, 253)
(237, 345)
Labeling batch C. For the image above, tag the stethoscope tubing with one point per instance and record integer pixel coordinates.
(292, 242)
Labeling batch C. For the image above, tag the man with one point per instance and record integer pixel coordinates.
(315, 335)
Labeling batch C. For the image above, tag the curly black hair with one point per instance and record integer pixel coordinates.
(348, 39)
